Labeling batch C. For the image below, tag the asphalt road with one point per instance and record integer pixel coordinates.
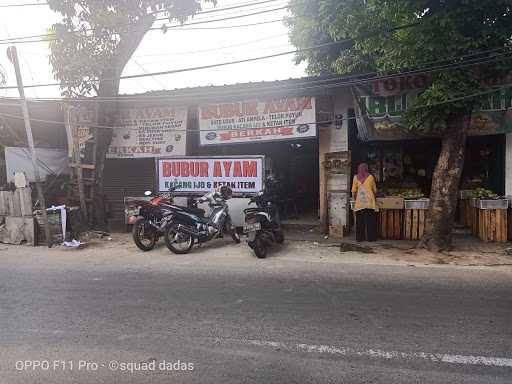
(184, 320)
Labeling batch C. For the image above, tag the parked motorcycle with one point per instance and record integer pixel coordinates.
(190, 225)
(262, 224)
(153, 217)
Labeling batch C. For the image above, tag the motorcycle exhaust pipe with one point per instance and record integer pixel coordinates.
(189, 230)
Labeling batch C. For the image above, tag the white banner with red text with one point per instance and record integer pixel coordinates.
(257, 120)
(244, 174)
(149, 132)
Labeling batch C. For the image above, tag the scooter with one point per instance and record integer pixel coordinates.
(190, 225)
(152, 218)
(262, 225)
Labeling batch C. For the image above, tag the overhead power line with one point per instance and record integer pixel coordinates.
(306, 86)
(22, 5)
(212, 49)
(45, 37)
(237, 61)
(449, 101)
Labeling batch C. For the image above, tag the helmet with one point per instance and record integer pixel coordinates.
(226, 192)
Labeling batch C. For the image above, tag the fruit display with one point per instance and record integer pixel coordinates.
(484, 194)
(406, 193)
(412, 194)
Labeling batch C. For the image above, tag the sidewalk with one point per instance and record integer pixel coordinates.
(468, 250)
(302, 246)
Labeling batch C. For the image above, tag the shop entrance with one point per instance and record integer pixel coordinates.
(295, 166)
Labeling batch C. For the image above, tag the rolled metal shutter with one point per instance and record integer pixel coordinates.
(126, 177)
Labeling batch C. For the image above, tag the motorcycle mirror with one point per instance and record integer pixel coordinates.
(148, 193)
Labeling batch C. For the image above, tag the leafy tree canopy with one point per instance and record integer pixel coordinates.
(96, 38)
(400, 34)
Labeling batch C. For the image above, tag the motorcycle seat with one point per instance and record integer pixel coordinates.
(195, 211)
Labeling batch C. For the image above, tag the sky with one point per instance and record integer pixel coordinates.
(176, 49)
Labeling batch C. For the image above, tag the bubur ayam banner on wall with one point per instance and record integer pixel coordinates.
(257, 120)
(149, 132)
(138, 132)
(379, 106)
(244, 174)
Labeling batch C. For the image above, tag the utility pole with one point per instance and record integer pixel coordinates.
(13, 57)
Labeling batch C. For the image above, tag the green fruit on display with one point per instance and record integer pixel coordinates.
(482, 193)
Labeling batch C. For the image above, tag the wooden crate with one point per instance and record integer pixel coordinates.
(509, 224)
(391, 224)
(414, 223)
(475, 221)
(492, 225)
(465, 212)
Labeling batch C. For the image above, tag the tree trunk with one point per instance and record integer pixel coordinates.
(106, 111)
(445, 185)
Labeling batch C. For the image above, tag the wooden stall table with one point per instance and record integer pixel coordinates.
(390, 218)
(414, 218)
(465, 208)
(491, 220)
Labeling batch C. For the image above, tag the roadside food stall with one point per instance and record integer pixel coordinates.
(403, 164)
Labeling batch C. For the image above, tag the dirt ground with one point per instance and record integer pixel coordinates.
(300, 246)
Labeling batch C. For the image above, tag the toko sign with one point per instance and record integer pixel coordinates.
(251, 121)
(243, 174)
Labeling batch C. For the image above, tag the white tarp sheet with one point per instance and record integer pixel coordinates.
(50, 161)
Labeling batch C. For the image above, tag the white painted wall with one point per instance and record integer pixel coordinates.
(508, 165)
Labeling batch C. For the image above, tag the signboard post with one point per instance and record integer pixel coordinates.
(197, 175)
(257, 120)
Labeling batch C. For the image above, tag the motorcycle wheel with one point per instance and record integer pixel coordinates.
(235, 235)
(279, 236)
(144, 236)
(177, 241)
(259, 248)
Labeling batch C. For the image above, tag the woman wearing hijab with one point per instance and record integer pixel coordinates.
(364, 190)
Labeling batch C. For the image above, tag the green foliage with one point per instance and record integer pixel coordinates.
(96, 37)
(401, 34)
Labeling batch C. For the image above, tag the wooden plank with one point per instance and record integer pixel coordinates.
(84, 166)
(498, 222)
(397, 235)
(407, 224)
(501, 225)
(414, 235)
(504, 226)
(391, 224)
(382, 215)
(491, 235)
(421, 223)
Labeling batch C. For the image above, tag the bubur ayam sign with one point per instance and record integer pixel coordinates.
(149, 132)
(199, 174)
(257, 120)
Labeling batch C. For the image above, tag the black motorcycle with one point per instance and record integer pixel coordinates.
(190, 225)
(262, 224)
(153, 217)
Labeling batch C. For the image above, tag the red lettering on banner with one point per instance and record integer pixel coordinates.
(184, 167)
(238, 169)
(287, 105)
(256, 132)
(175, 169)
(166, 169)
(228, 110)
(217, 170)
(194, 169)
(203, 169)
(227, 168)
(250, 168)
